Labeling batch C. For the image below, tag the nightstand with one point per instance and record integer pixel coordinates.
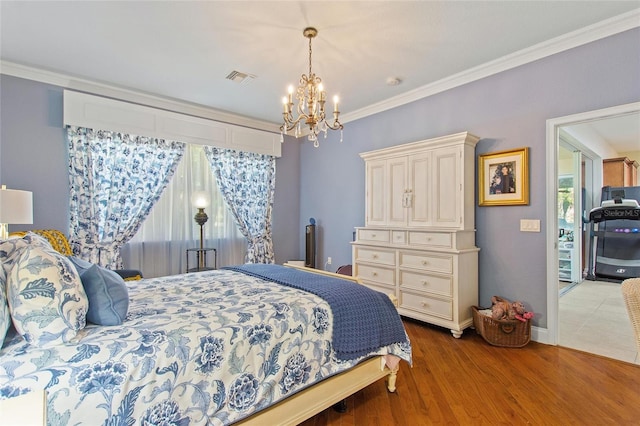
(201, 258)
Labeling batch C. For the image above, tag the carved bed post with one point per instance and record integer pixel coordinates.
(391, 379)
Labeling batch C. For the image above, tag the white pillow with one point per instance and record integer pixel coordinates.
(47, 302)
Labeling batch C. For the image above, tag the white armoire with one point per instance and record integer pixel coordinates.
(418, 241)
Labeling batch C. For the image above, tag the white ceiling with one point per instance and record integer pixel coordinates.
(183, 50)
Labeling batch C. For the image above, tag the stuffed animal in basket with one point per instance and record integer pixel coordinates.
(524, 317)
(502, 309)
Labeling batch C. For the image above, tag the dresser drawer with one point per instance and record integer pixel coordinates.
(431, 239)
(377, 274)
(429, 262)
(373, 235)
(398, 237)
(441, 308)
(372, 254)
(382, 289)
(441, 285)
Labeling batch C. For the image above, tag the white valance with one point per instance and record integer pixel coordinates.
(96, 112)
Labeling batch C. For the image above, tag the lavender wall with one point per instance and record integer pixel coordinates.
(34, 154)
(507, 110)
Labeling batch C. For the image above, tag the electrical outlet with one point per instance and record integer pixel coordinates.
(328, 260)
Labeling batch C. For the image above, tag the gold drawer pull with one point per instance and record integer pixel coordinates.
(375, 274)
(375, 256)
(425, 263)
(425, 304)
(425, 283)
(373, 235)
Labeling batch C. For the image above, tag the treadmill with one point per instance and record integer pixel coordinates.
(614, 248)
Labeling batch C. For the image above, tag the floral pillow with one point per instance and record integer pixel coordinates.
(5, 317)
(12, 248)
(9, 249)
(47, 302)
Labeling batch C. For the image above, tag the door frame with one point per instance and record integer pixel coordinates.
(553, 139)
(582, 174)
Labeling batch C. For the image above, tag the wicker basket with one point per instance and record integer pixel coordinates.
(505, 333)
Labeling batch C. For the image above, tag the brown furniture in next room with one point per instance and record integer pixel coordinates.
(620, 171)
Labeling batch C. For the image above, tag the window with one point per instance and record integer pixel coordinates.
(159, 246)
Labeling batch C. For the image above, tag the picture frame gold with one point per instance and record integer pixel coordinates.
(503, 178)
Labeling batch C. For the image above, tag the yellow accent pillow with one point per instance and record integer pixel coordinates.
(57, 239)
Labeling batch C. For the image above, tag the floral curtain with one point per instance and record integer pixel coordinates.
(247, 183)
(114, 180)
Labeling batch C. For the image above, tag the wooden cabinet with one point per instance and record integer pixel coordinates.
(418, 241)
(620, 172)
(422, 184)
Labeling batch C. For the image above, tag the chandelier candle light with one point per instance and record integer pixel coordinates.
(311, 100)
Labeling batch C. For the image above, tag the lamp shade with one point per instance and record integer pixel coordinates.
(200, 199)
(16, 207)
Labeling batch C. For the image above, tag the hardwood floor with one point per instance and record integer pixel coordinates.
(469, 382)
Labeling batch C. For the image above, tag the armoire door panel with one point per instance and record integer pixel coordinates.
(397, 187)
(420, 173)
(447, 187)
(376, 192)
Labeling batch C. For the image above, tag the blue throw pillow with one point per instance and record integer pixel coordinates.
(81, 265)
(108, 296)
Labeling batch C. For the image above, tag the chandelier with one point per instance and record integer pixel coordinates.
(311, 104)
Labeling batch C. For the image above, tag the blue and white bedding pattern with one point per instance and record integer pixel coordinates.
(203, 348)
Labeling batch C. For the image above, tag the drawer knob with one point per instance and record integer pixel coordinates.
(425, 305)
(373, 235)
(425, 283)
(375, 256)
(425, 263)
(375, 274)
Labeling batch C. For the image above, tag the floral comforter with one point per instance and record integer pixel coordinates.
(203, 348)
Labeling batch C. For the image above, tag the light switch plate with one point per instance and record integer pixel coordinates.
(530, 225)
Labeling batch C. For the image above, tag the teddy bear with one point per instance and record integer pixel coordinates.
(503, 309)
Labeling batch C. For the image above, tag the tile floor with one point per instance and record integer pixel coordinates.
(593, 318)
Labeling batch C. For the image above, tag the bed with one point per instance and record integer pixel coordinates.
(253, 344)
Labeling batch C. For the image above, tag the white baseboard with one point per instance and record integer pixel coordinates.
(540, 335)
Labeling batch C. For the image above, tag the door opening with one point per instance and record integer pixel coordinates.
(592, 156)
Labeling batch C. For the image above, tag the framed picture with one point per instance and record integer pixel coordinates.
(503, 178)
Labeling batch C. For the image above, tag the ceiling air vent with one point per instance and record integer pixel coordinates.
(240, 77)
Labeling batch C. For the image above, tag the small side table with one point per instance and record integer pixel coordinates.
(201, 259)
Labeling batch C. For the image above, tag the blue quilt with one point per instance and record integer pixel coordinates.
(367, 318)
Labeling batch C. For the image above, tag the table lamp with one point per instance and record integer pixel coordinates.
(16, 207)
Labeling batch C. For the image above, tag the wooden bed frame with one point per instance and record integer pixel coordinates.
(309, 402)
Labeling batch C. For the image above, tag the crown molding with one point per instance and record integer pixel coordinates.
(132, 96)
(585, 35)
